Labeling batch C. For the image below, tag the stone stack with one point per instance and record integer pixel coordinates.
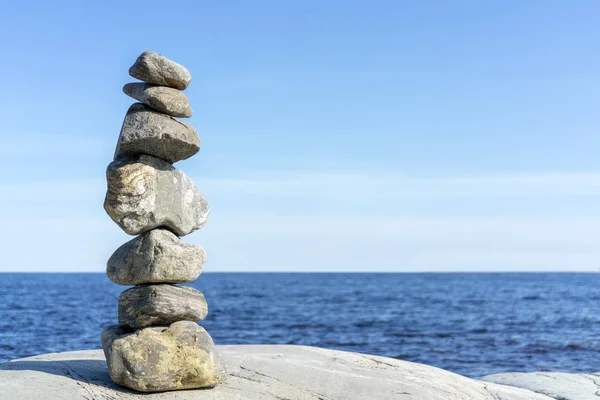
(157, 345)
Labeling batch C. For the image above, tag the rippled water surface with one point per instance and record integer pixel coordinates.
(473, 324)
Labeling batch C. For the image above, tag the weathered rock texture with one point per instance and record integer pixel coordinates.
(151, 67)
(146, 131)
(261, 372)
(145, 193)
(159, 359)
(152, 305)
(557, 385)
(161, 98)
(157, 256)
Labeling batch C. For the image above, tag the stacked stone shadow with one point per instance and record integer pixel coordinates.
(157, 345)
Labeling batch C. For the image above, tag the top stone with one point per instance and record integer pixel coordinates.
(153, 68)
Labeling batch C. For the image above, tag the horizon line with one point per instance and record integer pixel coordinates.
(337, 272)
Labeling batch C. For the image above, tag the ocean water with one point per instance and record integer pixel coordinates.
(472, 324)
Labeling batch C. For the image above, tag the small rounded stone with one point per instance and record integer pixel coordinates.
(161, 98)
(154, 68)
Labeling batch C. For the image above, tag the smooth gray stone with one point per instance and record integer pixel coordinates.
(181, 356)
(145, 193)
(558, 385)
(161, 98)
(157, 256)
(162, 304)
(146, 131)
(154, 68)
(259, 372)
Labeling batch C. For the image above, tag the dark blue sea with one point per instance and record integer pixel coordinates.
(472, 324)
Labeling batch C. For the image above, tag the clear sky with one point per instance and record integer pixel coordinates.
(336, 135)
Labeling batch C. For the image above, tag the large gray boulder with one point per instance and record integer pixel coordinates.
(157, 256)
(161, 98)
(181, 356)
(162, 304)
(146, 131)
(259, 372)
(154, 68)
(145, 193)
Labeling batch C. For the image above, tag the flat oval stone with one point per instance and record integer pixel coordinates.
(146, 131)
(157, 256)
(161, 98)
(154, 68)
(162, 304)
(145, 193)
(181, 356)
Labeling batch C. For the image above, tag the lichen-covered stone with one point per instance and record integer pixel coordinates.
(146, 131)
(162, 304)
(145, 193)
(154, 68)
(161, 98)
(157, 256)
(181, 356)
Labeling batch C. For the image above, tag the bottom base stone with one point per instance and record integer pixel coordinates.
(159, 359)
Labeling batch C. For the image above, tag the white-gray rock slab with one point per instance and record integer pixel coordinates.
(258, 372)
(557, 385)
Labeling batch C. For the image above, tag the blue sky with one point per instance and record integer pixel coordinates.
(336, 135)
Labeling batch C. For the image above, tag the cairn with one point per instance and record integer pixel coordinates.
(157, 345)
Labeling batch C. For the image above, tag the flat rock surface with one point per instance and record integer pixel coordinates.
(258, 372)
(556, 385)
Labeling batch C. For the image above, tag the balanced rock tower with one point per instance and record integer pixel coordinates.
(157, 345)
